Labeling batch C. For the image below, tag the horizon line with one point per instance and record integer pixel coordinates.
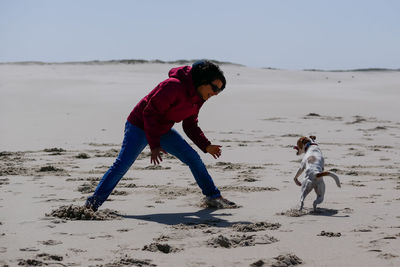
(182, 61)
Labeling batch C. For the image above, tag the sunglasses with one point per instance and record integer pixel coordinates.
(215, 88)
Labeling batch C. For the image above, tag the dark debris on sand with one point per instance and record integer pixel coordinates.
(31, 262)
(240, 241)
(112, 153)
(257, 263)
(286, 260)
(294, 213)
(4, 181)
(248, 188)
(11, 163)
(45, 259)
(195, 225)
(126, 261)
(156, 167)
(329, 234)
(164, 248)
(255, 227)
(50, 168)
(49, 257)
(87, 187)
(12, 170)
(50, 242)
(313, 115)
(387, 256)
(82, 156)
(72, 212)
(54, 149)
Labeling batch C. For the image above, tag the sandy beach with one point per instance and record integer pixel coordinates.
(61, 126)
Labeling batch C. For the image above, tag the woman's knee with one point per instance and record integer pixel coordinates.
(120, 166)
(192, 158)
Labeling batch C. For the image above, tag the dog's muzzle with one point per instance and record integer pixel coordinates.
(296, 148)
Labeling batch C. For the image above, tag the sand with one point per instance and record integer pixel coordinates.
(61, 126)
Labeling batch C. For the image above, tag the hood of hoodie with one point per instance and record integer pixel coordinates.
(183, 74)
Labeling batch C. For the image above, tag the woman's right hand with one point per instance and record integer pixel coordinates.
(156, 155)
(214, 150)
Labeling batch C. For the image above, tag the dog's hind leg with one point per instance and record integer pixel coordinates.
(320, 191)
(306, 188)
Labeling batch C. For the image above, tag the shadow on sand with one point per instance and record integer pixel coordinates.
(204, 216)
(326, 212)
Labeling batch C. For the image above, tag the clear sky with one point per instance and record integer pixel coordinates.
(296, 34)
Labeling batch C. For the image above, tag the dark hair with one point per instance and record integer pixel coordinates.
(204, 72)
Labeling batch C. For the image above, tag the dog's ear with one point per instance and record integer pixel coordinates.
(305, 140)
(313, 137)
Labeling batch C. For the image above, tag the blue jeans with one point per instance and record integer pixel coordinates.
(133, 144)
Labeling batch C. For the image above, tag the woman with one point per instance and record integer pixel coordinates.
(178, 98)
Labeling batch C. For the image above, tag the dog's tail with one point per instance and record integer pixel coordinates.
(331, 174)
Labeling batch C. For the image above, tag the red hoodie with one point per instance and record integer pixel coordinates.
(173, 100)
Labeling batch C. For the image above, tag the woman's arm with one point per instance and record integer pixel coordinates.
(194, 132)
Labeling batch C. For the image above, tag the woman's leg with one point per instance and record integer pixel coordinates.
(133, 144)
(174, 144)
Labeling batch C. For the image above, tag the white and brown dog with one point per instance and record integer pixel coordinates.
(313, 163)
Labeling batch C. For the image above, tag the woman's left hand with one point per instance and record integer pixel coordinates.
(156, 155)
(214, 150)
